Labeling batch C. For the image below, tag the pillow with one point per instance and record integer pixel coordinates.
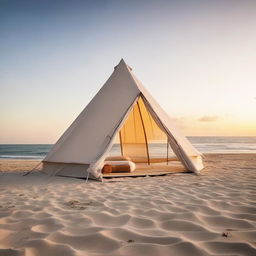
(121, 166)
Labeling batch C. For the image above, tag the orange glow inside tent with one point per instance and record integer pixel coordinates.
(139, 134)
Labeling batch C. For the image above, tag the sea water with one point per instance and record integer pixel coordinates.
(203, 144)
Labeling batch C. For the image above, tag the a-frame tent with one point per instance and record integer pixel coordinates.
(83, 147)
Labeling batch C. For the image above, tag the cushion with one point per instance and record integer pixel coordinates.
(120, 166)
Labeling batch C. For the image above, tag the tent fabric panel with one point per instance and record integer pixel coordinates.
(67, 170)
(89, 133)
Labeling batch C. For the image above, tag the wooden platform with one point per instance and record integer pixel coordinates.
(143, 170)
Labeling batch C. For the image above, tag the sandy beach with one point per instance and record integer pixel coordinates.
(179, 214)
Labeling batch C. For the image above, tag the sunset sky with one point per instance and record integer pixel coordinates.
(198, 59)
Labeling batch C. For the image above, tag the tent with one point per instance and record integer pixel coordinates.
(121, 107)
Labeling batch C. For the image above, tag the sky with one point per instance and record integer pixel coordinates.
(197, 58)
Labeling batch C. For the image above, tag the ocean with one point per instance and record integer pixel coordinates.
(203, 144)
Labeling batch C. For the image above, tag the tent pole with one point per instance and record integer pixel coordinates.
(167, 150)
(121, 143)
(145, 135)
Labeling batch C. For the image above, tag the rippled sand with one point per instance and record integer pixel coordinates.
(183, 214)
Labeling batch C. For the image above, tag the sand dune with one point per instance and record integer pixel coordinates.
(210, 214)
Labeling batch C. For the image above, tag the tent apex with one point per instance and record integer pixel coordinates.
(121, 63)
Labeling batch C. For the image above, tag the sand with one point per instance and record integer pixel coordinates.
(14, 165)
(179, 214)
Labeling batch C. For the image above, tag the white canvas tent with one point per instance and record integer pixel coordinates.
(83, 147)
